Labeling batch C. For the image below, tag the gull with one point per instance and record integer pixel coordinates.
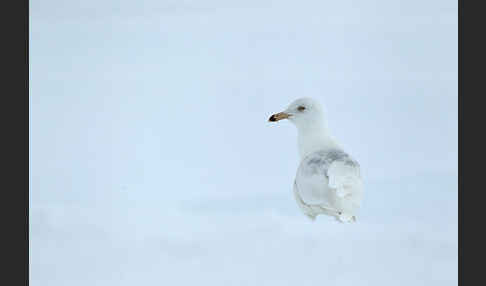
(328, 180)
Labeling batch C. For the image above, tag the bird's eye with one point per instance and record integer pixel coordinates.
(301, 108)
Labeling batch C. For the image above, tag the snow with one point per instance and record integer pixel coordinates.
(407, 235)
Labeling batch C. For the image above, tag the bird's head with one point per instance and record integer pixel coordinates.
(303, 112)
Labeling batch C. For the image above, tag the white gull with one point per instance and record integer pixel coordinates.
(328, 180)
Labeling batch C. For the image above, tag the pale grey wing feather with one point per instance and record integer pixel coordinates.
(329, 180)
(312, 211)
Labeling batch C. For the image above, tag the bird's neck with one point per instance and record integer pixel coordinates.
(314, 137)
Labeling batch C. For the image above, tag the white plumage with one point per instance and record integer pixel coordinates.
(328, 180)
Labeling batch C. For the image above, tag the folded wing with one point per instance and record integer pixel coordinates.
(329, 182)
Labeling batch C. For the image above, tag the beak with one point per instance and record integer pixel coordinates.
(278, 116)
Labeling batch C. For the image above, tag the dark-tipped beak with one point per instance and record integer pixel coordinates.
(278, 116)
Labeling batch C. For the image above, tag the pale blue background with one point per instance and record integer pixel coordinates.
(151, 161)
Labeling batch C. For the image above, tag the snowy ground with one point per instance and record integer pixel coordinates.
(406, 235)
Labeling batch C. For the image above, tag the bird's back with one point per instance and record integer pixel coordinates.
(325, 175)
